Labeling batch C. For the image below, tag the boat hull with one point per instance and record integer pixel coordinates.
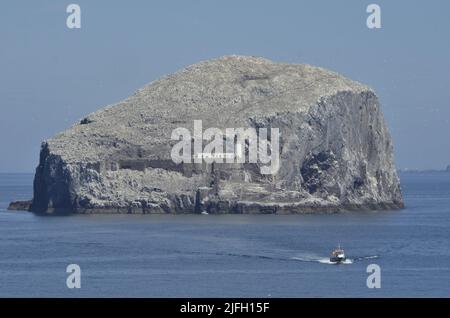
(337, 259)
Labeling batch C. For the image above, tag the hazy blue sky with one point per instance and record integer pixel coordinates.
(51, 76)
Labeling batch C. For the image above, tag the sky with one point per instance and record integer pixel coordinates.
(51, 76)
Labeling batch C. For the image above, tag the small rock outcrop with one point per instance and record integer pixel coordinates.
(335, 150)
(20, 205)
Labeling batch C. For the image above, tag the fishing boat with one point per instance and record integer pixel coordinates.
(338, 255)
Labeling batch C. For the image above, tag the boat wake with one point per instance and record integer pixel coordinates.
(363, 258)
(326, 260)
(299, 257)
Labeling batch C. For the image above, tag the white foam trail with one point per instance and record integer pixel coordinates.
(321, 260)
(348, 261)
(325, 261)
(307, 258)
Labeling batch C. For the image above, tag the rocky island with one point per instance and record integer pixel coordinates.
(335, 149)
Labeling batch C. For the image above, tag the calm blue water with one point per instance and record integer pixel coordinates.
(230, 255)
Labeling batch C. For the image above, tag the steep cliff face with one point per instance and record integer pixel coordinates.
(335, 150)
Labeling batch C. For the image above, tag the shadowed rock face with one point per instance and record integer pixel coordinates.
(336, 152)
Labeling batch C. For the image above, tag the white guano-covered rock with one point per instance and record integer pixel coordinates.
(336, 152)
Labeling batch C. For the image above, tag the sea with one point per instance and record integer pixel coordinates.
(404, 253)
